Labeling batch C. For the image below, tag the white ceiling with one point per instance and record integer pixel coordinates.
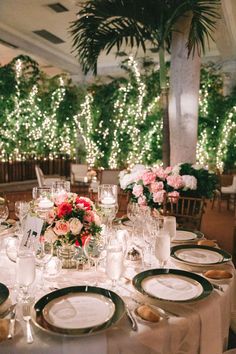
(19, 18)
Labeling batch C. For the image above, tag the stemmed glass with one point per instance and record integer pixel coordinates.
(4, 212)
(25, 272)
(60, 187)
(93, 249)
(114, 259)
(162, 247)
(43, 254)
(21, 210)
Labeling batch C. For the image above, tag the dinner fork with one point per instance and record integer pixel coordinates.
(27, 318)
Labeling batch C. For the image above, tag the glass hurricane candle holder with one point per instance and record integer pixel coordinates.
(107, 202)
(43, 200)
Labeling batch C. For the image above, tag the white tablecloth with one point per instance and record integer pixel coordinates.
(200, 328)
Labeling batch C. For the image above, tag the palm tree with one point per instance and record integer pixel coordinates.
(104, 24)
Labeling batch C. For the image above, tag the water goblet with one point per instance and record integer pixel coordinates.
(25, 273)
(114, 262)
(93, 249)
(60, 187)
(21, 211)
(162, 247)
(43, 254)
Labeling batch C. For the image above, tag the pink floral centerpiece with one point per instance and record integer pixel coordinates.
(71, 221)
(150, 186)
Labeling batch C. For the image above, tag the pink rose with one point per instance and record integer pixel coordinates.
(158, 197)
(142, 200)
(75, 226)
(97, 219)
(175, 181)
(89, 216)
(137, 190)
(173, 196)
(50, 216)
(168, 170)
(61, 227)
(156, 187)
(61, 197)
(148, 177)
(160, 173)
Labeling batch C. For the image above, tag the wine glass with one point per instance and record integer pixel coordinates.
(93, 249)
(21, 211)
(25, 272)
(114, 262)
(43, 254)
(162, 247)
(60, 187)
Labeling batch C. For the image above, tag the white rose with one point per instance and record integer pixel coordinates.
(50, 236)
(190, 182)
(75, 226)
(176, 169)
(97, 219)
(138, 168)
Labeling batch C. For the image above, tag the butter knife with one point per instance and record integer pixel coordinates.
(11, 330)
(131, 319)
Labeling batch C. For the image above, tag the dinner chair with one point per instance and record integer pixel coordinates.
(187, 210)
(227, 193)
(231, 351)
(45, 180)
(109, 176)
(78, 173)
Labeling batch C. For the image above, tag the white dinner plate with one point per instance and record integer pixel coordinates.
(172, 285)
(183, 236)
(80, 310)
(199, 255)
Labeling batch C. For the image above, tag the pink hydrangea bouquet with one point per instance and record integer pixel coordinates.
(72, 220)
(151, 186)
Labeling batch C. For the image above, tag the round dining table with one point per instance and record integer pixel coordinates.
(195, 327)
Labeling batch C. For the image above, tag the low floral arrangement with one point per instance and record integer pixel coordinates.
(72, 220)
(150, 186)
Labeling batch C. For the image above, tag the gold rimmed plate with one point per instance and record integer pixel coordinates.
(199, 255)
(78, 310)
(172, 285)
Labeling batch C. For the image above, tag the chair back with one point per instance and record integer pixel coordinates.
(40, 176)
(187, 210)
(78, 172)
(108, 176)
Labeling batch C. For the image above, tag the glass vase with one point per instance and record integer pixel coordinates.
(66, 254)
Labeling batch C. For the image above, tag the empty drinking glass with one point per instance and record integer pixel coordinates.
(162, 247)
(21, 211)
(93, 249)
(4, 212)
(43, 254)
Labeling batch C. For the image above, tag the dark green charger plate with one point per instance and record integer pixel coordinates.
(4, 293)
(226, 257)
(205, 284)
(39, 320)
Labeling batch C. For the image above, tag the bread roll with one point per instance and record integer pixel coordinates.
(4, 327)
(209, 243)
(148, 314)
(218, 274)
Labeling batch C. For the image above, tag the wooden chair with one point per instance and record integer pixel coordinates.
(44, 180)
(187, 210)
(109, 176)
(78, 173)
(225, 192)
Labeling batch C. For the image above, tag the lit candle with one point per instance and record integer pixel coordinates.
(108, 200)
(45, 203)
(85, 179)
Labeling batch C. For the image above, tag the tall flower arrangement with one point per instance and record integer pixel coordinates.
(150, 186)
(72, 220)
